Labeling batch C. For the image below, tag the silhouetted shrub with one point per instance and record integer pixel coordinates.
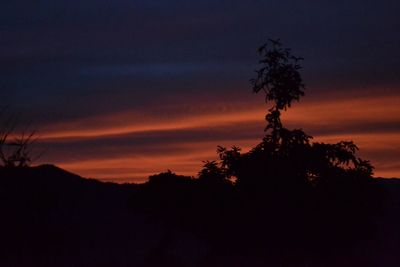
(15, 148)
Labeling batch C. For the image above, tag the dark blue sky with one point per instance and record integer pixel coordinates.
(61, 61)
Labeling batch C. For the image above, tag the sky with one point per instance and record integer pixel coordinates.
(119, 90)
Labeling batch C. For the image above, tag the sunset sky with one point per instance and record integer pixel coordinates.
(122, 89)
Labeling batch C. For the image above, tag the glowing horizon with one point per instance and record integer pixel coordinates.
(181, 142)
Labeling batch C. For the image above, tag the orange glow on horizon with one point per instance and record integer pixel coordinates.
(369, 121)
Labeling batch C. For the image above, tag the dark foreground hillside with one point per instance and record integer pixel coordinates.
(50, 217)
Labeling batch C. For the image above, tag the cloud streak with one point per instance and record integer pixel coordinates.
(125, 147)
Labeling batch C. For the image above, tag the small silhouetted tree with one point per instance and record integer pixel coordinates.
(211, 170)
(279, 78)
(15, 148)
(212, 173)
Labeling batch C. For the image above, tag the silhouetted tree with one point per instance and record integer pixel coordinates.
(214, 173)
(288, 157)
(15, 148)
(280, 80)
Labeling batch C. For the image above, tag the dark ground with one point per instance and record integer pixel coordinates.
(50, 217)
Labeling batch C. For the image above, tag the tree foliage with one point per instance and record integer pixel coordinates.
(287, 157)
(279, 78)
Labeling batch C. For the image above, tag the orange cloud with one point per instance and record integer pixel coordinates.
(131, 145)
